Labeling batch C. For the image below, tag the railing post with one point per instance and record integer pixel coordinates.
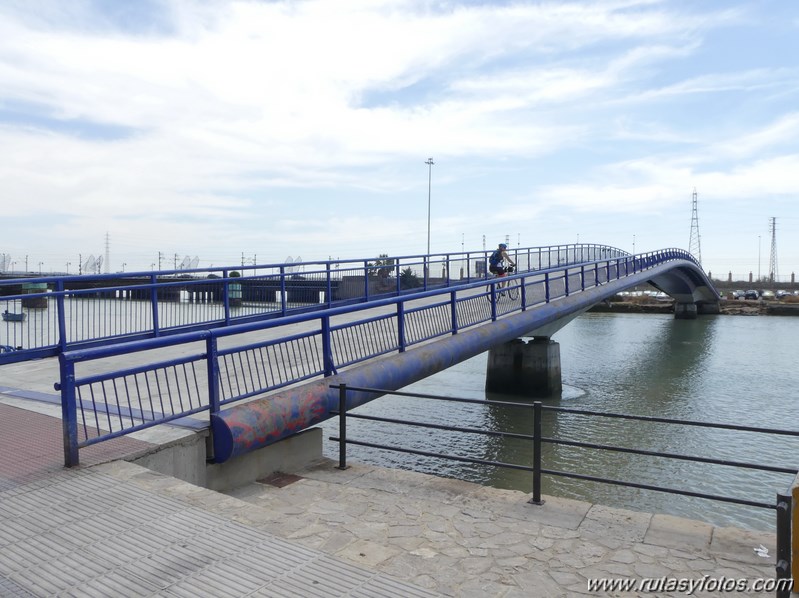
(401, 326)
(342, 426)
(783, 566)
(329, 289)
(565, 278)
(154, 303)
(536, 500)
(546, 286)
(448, 271)
(62, 315)
(69, 412)
(226, 296)
(283, 295)
(212, 364)
(453, 306)
(523, 293)
(327, 348)
(366, 280)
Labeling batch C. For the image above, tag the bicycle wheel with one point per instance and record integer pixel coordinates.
(513, 291)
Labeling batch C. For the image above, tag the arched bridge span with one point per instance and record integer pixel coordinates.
(386, 343)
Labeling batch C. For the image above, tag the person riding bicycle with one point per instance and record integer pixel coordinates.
(498, 259)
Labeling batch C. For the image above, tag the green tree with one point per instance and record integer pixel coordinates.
(383, 266)
(409, 280)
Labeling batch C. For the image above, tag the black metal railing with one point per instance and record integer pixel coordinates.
(782, 504)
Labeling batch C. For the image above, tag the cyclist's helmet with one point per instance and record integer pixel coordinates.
(503, 246)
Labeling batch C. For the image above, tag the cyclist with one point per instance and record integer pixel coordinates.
(498, 260)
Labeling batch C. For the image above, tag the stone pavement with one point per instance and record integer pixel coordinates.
(113, 528)
(462, 539)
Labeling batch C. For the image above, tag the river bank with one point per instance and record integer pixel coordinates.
(731, 307)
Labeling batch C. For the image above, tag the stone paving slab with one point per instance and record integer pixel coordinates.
(461, 539)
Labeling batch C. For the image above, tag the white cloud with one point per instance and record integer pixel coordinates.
(264, 119)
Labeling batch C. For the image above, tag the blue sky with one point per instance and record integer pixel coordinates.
(272, 129)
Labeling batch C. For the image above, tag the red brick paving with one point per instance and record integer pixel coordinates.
(31, 445)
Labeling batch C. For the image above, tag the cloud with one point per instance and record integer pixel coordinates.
(249, 124)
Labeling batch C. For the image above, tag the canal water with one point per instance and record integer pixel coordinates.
(724, 369)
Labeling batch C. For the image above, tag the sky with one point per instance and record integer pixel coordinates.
(256, 131)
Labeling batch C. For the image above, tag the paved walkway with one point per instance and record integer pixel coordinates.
(113, 528)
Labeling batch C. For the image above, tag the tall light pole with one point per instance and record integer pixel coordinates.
(429, 188)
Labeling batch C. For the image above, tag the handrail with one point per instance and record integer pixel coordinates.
(271, 287)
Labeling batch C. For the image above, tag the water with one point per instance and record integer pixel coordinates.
(722, 369)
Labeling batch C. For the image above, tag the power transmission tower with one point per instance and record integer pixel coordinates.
(772, 269)
(694, 247)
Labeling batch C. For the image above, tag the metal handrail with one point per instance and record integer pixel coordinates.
(150, 286)
(782, 505)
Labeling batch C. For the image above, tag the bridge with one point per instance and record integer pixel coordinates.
(163, 347)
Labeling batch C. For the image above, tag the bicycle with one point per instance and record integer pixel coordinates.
(503, 288)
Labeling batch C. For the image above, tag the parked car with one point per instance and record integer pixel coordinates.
(738, 294)
(783, 293)
(751, 294)
(767, 294)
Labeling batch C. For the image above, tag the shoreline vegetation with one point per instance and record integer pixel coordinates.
(730, 307)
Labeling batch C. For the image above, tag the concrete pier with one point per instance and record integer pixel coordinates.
(528, 369)
(685, 311)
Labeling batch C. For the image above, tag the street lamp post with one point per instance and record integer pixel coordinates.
(429, 188)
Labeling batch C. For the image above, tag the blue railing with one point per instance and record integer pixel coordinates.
(212, 373)
(104, 309)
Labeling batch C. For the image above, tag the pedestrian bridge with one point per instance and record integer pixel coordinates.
(258, 352)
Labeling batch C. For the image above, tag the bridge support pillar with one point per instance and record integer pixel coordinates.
(708, 308)
(685, 311)
(529, 369)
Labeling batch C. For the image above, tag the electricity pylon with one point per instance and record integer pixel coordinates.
(772, 269)
(694, 246)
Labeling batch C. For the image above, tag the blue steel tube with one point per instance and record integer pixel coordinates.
(329, 287)
(213, 374)
(62, 316)
(401, 326)
(154, 303)
(226, 296)
(327, 350)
